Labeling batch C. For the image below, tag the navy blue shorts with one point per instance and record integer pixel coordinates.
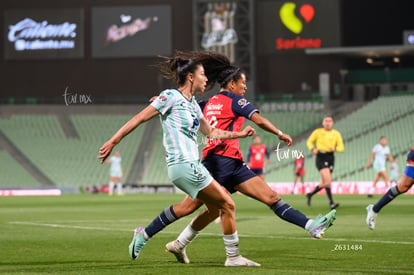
(258, 171)
(227, 171)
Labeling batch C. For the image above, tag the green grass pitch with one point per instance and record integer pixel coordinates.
(90, 234)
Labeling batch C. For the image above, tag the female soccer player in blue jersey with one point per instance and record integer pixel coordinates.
(181, 119)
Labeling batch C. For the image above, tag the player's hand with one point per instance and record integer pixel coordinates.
(367, 166)
(286, 138)
(248, 131)
(153, 98)
(332, 149)
(315, 151)
(105, 150)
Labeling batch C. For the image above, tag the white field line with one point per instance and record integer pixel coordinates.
(209, 234)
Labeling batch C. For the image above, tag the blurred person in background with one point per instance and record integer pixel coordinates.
(380, 153)
(394, 172)
(116, 173)
(299, 172)
(256, 156)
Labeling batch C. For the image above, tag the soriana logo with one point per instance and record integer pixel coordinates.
(296, 24)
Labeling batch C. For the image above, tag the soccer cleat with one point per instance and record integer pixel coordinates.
(371, 217)
(137, 244)
(321, 224)
(308, 199)
(334, 205)
(180, 253)
(240, 261)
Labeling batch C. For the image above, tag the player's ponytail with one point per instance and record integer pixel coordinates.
(177, 67)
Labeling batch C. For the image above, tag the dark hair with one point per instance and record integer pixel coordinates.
(217, 67)
(232, 73)
(325, 116)
(178, 67)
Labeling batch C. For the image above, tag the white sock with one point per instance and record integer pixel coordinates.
(186, 236)
(111, 187)
(231, 244)
(371, 191)
(119, 187)
(146, 237)
(308, 223)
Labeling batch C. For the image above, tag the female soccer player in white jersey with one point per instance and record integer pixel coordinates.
(380, 153)
(181, 118)
(116, 173)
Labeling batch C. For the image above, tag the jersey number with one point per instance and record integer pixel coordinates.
(213, 121)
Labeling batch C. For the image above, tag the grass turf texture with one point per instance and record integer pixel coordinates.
(90, 234)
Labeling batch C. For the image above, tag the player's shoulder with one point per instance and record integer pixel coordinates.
(336, 132)
(168, 94)
(237, 100)
(318, 130)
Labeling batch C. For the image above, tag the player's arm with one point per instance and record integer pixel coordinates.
(266, 125)
(311, 141)
(215, 133)
(143, 116)
(391, 158)
(369, 160)
(339, 143)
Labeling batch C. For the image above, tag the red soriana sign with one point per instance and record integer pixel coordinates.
(296, 24)
(298, 43)
(288, 25)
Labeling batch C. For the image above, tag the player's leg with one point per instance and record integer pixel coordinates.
(259, 190)
(119, 185)
(111, 185)
(407, 180)
(302, 179)
(167, 216)
(326, 179)
(374, 183)
(325, 174)
(190, 232)
(294, 183)
(385, 177)
(215, 197)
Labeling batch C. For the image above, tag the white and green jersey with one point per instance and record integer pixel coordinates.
(180, 123)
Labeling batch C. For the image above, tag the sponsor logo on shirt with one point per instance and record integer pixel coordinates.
(243, 102)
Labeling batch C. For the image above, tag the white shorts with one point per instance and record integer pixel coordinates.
(115, 173)
(379, 167)
(190, 177)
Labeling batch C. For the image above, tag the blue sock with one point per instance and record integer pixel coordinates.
(389, 196)
(287, 213)
(166, 217)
